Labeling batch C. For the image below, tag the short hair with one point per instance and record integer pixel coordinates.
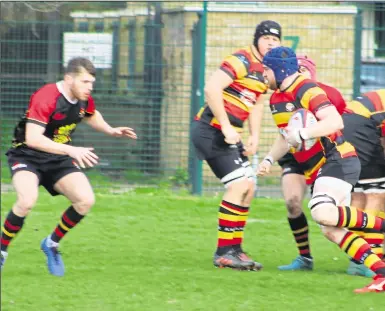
(75, 65)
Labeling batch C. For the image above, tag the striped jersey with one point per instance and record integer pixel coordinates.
(307, 94)
(241, 95)
(370, 105)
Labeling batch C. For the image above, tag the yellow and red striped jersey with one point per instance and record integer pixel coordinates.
(370, 105)
(305, 93)
(240, 96)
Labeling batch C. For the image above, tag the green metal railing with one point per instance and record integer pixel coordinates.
(161, 55)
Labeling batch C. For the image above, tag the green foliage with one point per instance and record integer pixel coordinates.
(180, 178)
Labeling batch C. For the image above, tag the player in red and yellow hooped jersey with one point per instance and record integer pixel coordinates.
(296, 177)
(364, 121)
(233, 95)
(339, 173)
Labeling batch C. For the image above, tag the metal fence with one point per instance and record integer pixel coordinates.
(152, 65)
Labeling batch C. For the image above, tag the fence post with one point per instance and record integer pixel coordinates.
(53, 66)
(197, 92)
(131, 53)
(357, 53)
(115, 53)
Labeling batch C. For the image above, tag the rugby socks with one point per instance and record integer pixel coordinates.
(69, 220)
(300, 229)
(361, 252)
(351, 217)
(243, 214)
(374, 238)
(11, 227)
(228, 220)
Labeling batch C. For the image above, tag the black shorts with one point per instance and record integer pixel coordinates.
(49, 168)
(290, 165)
(346, 169)
(226, 161)
(363, 134)
(372, 180)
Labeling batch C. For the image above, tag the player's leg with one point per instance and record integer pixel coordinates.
(358, 200)
(373, 185)
(226, 163)
(232, 215)
(68, 180)
(242, 219)
(336, 177)
(293, 188)
(25, 180)
(327, 211)
(375, 202)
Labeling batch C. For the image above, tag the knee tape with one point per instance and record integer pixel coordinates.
(320, 198)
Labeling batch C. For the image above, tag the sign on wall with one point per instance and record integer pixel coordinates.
(95, 46)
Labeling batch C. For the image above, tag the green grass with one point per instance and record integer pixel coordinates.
(149, 250)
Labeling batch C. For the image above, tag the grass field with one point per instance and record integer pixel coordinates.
(152, 250)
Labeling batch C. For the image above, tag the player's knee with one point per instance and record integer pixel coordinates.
(24, 204)
(322, 208)
(249, 195)
(293, 205)
(84, 204)
(331, 233)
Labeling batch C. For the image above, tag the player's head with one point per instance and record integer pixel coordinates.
(307, 67)
(80, 77)
(279, 63)
(267, 36)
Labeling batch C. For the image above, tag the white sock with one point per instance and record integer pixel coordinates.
(51, 243)
(4, 253)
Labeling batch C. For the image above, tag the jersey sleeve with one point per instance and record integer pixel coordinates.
(236, 65)
(315, 99)
(334, 96)
(90, 107)
(41, 106)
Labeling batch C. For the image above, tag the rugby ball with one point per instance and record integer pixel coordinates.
(303, 118)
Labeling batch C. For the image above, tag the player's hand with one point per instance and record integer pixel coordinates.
(251, 147)
(123, 132)
(293, 137)
(264, 168)
(84, 156)
(232, 137)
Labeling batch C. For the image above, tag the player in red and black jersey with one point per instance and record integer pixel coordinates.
(41, 155)
(233, 95)
(364, 121)
(296, 176)
(337, 175)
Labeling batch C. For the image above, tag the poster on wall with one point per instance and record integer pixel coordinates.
(95, 46)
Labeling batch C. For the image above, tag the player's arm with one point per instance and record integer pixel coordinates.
(214, 97)
(97, 122)
(34, 138)
(255, 124)
(330, 121)
(279, 148)
(40, 109)
(233, 67)
(255, 119)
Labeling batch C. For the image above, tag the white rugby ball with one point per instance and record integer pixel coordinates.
(303, 118)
